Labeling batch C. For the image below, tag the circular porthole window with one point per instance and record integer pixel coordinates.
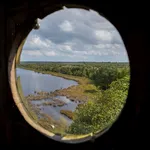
(72, 75)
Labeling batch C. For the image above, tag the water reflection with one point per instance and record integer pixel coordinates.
(32, 81)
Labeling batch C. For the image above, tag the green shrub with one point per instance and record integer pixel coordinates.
(92, 117)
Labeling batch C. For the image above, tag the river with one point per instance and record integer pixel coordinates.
(32, 81)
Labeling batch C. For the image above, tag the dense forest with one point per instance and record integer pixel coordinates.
(112, 82)
(101, 73)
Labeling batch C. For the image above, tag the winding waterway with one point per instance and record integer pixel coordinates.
(32, 81)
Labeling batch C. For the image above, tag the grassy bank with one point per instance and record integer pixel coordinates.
(82, 92)
(67, 113)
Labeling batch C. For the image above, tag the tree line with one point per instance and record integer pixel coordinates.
(102, 74)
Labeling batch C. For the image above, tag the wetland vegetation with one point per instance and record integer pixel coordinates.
(73, 98)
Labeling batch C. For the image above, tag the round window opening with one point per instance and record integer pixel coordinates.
(72, 77)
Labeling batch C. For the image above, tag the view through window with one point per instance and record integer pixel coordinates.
(73, 75)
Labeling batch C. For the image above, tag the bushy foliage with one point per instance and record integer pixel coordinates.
(93, 117)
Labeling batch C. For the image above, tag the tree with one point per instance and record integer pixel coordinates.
(93, 117)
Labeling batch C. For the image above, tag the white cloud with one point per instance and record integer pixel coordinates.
(48, 53)
(72, 48)
(74, 34)
(36, 41)
(66, 26)
(103, 35)
(100, 46)
(87, 53)
(113, 52)
(32, 52)
(76, 57)
(125, 53)
(64, 47)
(68, 47)
(117, 46)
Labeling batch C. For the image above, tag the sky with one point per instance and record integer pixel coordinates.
(74, 35)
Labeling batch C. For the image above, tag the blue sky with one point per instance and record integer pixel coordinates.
(74, 35)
